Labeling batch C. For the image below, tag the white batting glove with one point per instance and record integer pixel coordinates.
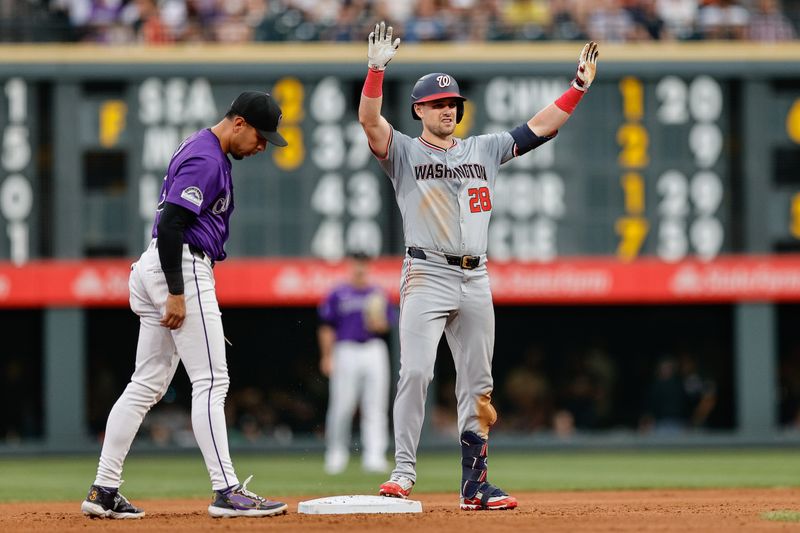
(587, 67)
(381, 47)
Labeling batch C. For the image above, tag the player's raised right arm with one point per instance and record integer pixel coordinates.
(381, 51)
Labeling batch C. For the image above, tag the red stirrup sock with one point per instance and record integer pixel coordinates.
(568, 101)
(373, 85)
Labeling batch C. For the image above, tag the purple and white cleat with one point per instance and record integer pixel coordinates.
(238, 501)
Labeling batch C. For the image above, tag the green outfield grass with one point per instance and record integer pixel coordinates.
(177, 476)
(782, 516)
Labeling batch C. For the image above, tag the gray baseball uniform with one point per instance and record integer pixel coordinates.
(445, 201)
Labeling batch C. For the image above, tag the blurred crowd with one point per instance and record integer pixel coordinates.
(254, 416)
(238, 21)
(586, 391)
(537, 392)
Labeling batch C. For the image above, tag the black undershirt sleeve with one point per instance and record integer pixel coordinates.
(173, 222)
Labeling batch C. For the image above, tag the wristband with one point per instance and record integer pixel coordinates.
(373, 85)
(568, 101)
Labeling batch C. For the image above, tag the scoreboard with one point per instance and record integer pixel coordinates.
(640, 169)
(688, 156)
(643, 168)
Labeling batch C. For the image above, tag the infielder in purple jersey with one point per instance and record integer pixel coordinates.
(172, 291)
(354, 356)
(444, 189)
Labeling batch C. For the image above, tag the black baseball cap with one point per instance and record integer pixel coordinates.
(262, 112)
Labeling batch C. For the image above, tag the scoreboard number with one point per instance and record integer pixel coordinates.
(698, 103)
(16, 192)
(632, 137)
(793, 122)
(794, 225)
(290, 95)
(671, 92)
(347, 194)
(705, 141)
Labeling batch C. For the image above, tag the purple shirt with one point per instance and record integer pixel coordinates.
(343, 310)
(199, 179)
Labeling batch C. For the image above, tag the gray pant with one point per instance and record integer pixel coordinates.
(436, 297)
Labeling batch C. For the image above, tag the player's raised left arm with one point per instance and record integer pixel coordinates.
(381, 51)
(549, 120)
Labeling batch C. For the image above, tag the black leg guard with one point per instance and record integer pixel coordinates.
(476, 491)
(473, 463)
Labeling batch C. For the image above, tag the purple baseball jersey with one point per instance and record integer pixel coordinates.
(343, 310)
(199, 179)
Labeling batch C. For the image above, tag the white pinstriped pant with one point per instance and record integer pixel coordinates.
(199, 344)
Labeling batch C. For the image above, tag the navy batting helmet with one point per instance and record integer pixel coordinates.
(436, 86)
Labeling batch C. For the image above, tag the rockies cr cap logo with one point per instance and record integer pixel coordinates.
(444, 80)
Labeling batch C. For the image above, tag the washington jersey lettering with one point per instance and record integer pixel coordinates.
(445, 195)
(440, 171)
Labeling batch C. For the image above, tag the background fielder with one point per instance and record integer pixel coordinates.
(172, 291)
(355, 357)
(444, 188)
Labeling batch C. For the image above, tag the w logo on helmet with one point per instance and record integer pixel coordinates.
(444, 80)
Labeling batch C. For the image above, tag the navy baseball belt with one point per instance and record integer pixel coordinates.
(467, 262)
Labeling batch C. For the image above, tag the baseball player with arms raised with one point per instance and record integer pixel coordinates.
(444, 190)
(172, 291)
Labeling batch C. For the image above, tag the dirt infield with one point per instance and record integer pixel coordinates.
(658, 510)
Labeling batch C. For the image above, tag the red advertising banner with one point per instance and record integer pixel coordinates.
(303, 282)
